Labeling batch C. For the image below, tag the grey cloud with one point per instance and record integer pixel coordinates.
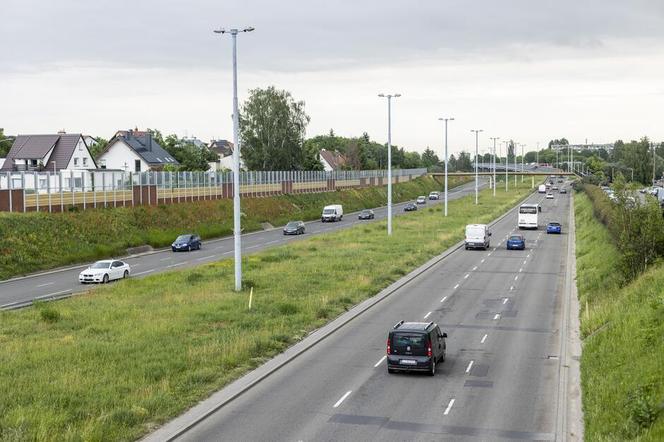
(306, 35)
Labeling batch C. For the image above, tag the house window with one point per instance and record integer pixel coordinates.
(75, 161)
(85, 162)
(137, 165)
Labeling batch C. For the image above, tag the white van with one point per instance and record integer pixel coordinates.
(333, 212)
(477, 236)
(541, 188)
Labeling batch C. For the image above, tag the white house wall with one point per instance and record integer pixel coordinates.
(121, 157)
(81, 158)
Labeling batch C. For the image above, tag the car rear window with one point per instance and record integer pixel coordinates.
(414, 344)
(516, 238)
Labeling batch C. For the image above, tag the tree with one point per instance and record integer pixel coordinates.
(190, 156)
(429, 158)
(561, 142)
(5, 143)
(452, 164)
(463, 163)
(272, 130)
(98, 148)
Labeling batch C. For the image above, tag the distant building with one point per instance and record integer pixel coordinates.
(195, 141)
(51, 152)
(332, 160)
(224, 150)
(135, 151)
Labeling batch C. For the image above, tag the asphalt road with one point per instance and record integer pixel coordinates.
(502, 312)
(62, 283)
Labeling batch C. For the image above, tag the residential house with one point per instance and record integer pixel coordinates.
(195, 141)
(135, 151)
(332, 160)
(51, 153)
(224, 149)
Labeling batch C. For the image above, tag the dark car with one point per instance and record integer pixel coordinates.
(187, 242)
(410, 207)
(366, 214)
(516, 242)
(563, 190)
(554, 228)
(294, 228)
(415, 346)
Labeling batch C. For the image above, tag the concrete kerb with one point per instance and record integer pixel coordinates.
(181, 424)
(164, 249)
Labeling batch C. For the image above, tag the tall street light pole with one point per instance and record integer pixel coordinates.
(477, 134)
(446, 120)
(507, 163)
(494, 163)
(522, 168)
(389, 158)
(237, 229)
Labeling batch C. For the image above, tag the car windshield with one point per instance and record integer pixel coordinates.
(409, 344)
(101, 265)
(328, 211)
(516, 238)
(366, 212)
(292, 224)
(183, 238)
(554, 224)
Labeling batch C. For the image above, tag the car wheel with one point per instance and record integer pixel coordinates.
(432, 371)
(125, 275)
(390, 370)
(105, 279)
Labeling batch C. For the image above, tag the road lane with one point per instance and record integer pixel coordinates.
(508, 392)
(65, 282)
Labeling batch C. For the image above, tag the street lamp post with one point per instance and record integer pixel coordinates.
(507, 163)
(389, 158)
(237, 228)
(522, 168)
(494, 163)
(477, 133)
(446, 120)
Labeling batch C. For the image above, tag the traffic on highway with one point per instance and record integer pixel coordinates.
(469, 349)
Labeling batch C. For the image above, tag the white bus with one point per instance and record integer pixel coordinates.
(528, 216)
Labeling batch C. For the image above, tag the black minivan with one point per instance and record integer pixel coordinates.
(415, 346)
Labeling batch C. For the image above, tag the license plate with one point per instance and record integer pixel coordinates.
(407, 362)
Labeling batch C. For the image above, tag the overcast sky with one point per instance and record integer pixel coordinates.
(522, 69)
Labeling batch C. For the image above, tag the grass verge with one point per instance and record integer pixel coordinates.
(114, 363)
(622, 327)
(38, 241)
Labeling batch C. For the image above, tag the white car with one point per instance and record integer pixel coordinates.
(549, 196)
(104, 271)
(421, 200)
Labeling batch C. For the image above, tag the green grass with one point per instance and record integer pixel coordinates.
(622, 364)
(38, 241)
(114, 363)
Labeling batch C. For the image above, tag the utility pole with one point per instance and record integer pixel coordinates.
(507, 163)
(653, 162)
(446, 120)
(237, 229)
(389, 158)
(494, 163)
(477, 133)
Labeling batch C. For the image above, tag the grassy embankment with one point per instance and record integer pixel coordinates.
(37, 241)
(622, 327)
(111, 364)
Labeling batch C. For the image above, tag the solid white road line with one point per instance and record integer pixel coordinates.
(456, 286)
(449, 407)
(427, 315)
(483, 339)
(227, 253)
(380, 362)
(164, 259)
(143, 273)
(175, 265)
(444, 298)
(205, 257)
(272, 242)
(470, 366)
(253, 247)
(44, 285)
(342, 399)
(496, 317)
(61, 292)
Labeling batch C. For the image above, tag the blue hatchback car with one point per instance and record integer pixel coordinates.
(516, 242)
(554, 228)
